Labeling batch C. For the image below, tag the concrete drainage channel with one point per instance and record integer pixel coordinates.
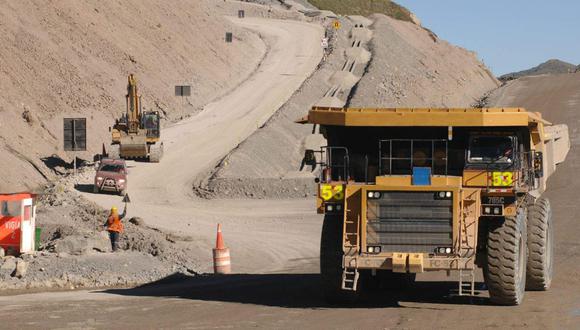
(358, 57)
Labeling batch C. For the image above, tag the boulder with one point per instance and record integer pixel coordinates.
(21, 268)
(9, 265)
(80, 245)
(137, 221)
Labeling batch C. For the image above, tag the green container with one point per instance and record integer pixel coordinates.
(37, 238)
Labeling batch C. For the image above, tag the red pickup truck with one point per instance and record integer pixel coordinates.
(111, 176)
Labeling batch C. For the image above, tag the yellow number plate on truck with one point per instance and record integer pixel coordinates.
(502, 179)
(330, 192)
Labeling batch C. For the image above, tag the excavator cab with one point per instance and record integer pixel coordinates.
(151, 124)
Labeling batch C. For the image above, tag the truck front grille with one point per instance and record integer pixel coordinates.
(409, 221)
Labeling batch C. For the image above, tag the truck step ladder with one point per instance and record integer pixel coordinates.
(350, 279)
(468, 285)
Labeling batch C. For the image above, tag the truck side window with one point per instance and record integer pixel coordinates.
(491, 149)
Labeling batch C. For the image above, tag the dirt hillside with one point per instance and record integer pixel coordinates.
(412, 67)
(71, 58)
(409, 66)
(553, 66)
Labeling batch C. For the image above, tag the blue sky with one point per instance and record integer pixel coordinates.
(508, 35)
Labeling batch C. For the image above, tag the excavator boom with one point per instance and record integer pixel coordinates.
(133, 105)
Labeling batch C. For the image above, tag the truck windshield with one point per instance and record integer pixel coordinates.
(112, 168)
(491, 149)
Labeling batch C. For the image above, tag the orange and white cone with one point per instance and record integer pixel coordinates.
(221, 255)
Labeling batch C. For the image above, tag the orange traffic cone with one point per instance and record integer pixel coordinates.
(221, 255)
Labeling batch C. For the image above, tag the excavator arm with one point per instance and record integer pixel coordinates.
(133, 106)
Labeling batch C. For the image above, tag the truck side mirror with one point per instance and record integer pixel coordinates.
(309, 157)
(109, 128)
(538, 164)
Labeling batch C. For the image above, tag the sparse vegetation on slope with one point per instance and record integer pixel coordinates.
(365, 8)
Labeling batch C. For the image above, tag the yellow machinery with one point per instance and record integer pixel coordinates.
(137, 134)
(406, 191)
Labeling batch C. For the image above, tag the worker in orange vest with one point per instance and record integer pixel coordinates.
(115, 226)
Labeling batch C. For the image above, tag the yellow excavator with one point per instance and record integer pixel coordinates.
(137, 134)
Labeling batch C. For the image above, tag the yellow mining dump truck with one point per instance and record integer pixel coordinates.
(406, 191)
(137, 134)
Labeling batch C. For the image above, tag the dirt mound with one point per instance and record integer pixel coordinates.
(365, 8)
(72, 58)
(552, 66)
(407, 66)
(412, 67)
(75, 250)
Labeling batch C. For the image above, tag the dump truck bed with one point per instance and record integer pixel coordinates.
(390, 117)
(552, 140)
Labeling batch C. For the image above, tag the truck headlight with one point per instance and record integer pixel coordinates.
(99, 178)
(491, 210)
(444, 195)
(374, 194)
(121, 181)
(373, 249)
(333, 207)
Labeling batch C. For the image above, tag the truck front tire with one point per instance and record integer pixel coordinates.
(331, 255)
(505, 267)
(540, 246)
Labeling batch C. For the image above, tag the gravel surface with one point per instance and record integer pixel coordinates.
(75, 250)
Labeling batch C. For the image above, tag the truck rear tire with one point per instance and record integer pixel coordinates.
(114, 151)
(155, 153)
(331, 262)
(505, 267)
(540, 246)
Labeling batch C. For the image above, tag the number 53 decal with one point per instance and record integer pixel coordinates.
(328, 192)
(502, 179)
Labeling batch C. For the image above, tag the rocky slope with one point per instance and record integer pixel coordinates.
(412, 67)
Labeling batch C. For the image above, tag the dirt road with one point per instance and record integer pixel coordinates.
(288, 297)
(162, 193)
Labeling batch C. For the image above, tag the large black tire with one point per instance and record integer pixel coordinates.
(505, 267)
(540, 246)
(331, 262)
